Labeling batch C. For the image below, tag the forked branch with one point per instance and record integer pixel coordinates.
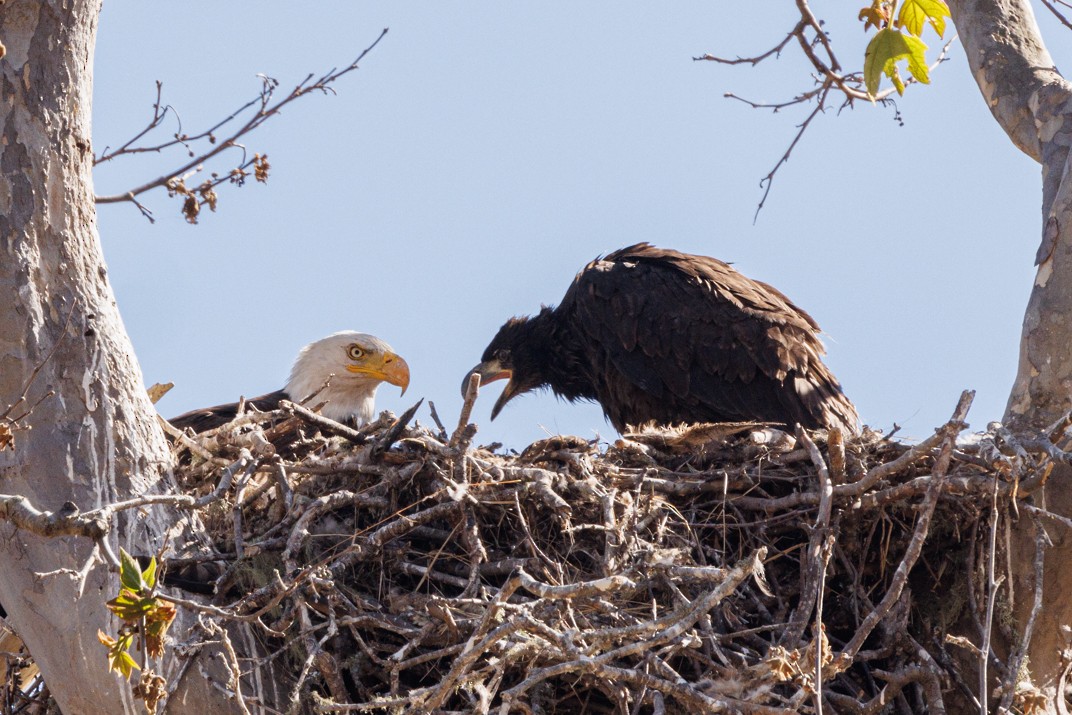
(206, 145)
(832, 88)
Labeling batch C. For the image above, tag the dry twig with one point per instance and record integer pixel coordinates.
(251, 115)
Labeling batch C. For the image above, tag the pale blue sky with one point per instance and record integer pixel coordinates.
(484, 153)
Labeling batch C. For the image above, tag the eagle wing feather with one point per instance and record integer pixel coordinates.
(699, 340)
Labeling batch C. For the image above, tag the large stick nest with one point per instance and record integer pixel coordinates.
(715, 568)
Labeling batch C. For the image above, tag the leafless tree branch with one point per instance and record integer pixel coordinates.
(817, 48)
(264, 106)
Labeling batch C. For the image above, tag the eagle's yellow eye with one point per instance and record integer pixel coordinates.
(355, 352)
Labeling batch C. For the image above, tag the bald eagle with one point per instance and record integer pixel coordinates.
(653, 334)
(351, 364)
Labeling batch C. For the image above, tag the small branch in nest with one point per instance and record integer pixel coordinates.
(326, 664)
(1057, 430)
(236, 512)
(1009, 687)
(230, 662)
(365, 547)
(919, 535)
(539, 482)
(1031, 508)
(887, 470)
(476, 645)
(472, 390)
(826, 488)
(438, 422)
(311, 511)
(835, 447)
(324, 423)
(279, 471)
(193, 445)
(392, 434)
(478, 553)
(1046, 447)
(820, 544)
(682, 621)
(992, 586)
(581, 589)
(896, 682)
(685, 693)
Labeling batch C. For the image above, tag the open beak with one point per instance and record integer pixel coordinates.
(490, 371)
(389, 368)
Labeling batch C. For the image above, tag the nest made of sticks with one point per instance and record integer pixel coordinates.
(713, 568)
(675, 570)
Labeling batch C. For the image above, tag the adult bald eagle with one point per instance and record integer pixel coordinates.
(351, 364)
(653, 334)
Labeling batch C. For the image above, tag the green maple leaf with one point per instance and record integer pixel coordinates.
(123, 664)
(915, 13)
(149, 574)
(129, 573)
(119, 659)
(886, 49)
(917, 59)
(129, 606)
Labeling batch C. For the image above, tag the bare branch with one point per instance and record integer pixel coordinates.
(775, 51)
(1057, 13)
(68, 521)
(265, 108)
(915, 545)
(768, 181)
(817, 48)
(461, 432)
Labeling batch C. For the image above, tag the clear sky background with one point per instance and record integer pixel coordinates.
(485, 152)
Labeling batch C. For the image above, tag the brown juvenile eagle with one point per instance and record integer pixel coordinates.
(352, 365)
(657, 335)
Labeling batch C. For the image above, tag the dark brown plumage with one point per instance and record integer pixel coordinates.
(657, 335)
(206, 418)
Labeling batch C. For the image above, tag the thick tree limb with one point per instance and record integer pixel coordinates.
(1011, 65)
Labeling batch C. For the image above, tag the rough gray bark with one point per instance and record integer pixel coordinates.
(96, 440)
(1032, 102)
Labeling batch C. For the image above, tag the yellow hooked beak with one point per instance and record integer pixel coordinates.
(386, 366)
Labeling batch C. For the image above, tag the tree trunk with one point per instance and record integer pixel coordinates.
(1029, 99)
(95, 440)
(1032, 103)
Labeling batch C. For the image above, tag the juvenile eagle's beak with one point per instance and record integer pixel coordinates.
(388, 367)
(490, 371)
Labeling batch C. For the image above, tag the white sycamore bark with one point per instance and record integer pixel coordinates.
(95, 441)
(1033, 104)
